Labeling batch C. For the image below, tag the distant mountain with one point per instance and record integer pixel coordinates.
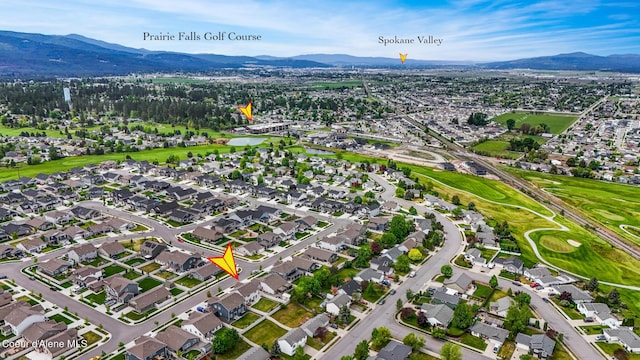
(27, 55)
(349, 60)
(573, 61)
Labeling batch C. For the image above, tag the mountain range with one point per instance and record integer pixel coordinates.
(26, 55)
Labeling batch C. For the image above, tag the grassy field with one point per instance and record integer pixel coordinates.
(265, 333)
(497, 148)
(557, 123)
(322, 85)
(608, 203)
(112, 269)
(293, 315)
(188, 281)
(246, 320)
(265, 305)
(148, 284)
(240, 348)
(473, 341)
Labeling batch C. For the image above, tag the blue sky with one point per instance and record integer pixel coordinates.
(471, 29)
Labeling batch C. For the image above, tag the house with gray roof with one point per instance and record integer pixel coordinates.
(474, 256)
(577, 296)
(625, 337)
(255, 353)
(293, 339)
(311, 326)
(461, 283)
(437, 314)
(539, 345)
(501, 306)
(600, 313)
(440, 296)
(334, 305)
(147, 348)
(394, 350)
(492, 333)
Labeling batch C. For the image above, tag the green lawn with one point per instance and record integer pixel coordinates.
(240, 348)
(166, 274)
(132, 275)
(473, 341)
(91, 337)
(60, 318)
(97, 298)
(482, 291)
(265, 333)
(496, 148)
(557, 123)
(593, 330)
(148, 284)
(374, 292)
(611, 348)
(188, 281)
(265, 305)
(135, 316)
(112, 269)
(293, 315)
(176, 291)
(246, 320)
(150, 267)
(134, 261)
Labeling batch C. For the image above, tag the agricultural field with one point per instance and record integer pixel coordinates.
(615, 206)
(557, 123)
(496, 148)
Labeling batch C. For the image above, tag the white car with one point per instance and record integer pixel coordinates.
(412, 274)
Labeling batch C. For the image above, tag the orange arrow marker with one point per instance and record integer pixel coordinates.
(227, 261)
(403, 57)
(246, 110)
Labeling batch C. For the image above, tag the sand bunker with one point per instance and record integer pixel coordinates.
(573, 243)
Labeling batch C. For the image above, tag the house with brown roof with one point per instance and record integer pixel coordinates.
(38, 223)
(306, 222)
(82, 253)
(147, 348)
(147, 300)
(203, 325)
(294, 269)
(86, 275)
(229, 307)
(32, 246)
(177, 260)
(269, 239)
(64, 342)
(274, 284)
(211, 235)
(43, 330)
(120, 289)
(249, 249)
(249, 291)
(177, 339)
(314, 253)
(58, 217)
(54, 267)
(21, 317)
(111, 249)
(287, 230)
(75, 232)
(205, 272)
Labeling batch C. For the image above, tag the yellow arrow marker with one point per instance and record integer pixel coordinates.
(227, 261)
(246, 110)
(403, 57)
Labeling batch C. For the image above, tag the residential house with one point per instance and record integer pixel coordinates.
(58, 217)
(331, 243)
(501, 306)
(306, 222)
(181, 216)
(111, 250)
(54, 267)
(474, 256)
(147, 348)
(268, 239)
(32, 246)
(229, 307)
(55, 237)
(177, 260)
(394, 350)
(151, 249)
(120, 289)
(205, 272)
(274, 284)
(287, 230)
(577, 296)
(86, 275)
(249, 249)
(59, 344)
(494, 334)
(294, 269)
(461, 283)
(255, 353)
(149, 299)
(539, 345)
(441, 296)
(311, 326)
(290, 341)
(378, 224)
(337, 302)
(600, 313)
(43, 330)
(511, 264)
(368, 275)
(21, 317)
(204, 234)
(314, 253)
(625, 337)
(84, 213)
(203, 325)
(249, 291)
(41, 224)
(438, 314)
(82, 253)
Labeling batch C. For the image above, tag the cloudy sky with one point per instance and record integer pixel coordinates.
(470, 29)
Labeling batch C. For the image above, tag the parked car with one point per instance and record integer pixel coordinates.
(385, 282)
(545, 300)
(53, 288)
(333, 326)
(534, 284)
(600, 337)
(495, 349)
(381, 302)
(392, 292)
(588, 320)
(516, 283)
(412, 274)
(3, 276)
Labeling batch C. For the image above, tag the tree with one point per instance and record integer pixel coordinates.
(380, 337)
(523, 298)
(376, 248)
(275, 348)
(415, 255)
(614, 296)
(347, 357)
(399, 304)
(511, 124)
(413, 211)
(471, 205)
(409, 294)
(446, 270)
(225, 340)
(517, 318)
(592, 285)
(438, 333)
(362, 350)
(455, 200)
(403, 264)
(400, 192)
(525, 357)
(450, 351)
(462, 316)
(406, 313)
(493, 282)
(299, 354)
(344, 315)
(388, 239)
(416, 342)
(457, 213)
